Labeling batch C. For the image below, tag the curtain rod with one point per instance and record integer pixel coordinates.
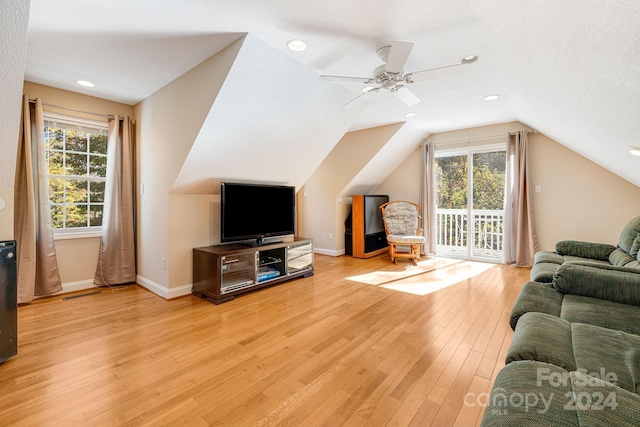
(481, 138)
(109, 116)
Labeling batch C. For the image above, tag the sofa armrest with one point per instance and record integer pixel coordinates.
(598, 251)
(618, 284)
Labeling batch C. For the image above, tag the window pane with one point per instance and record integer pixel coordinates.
(77, 191)
(489, 180)
(56, 190)
(76, 164)
(57, 217)
(96, 192)
(54, 138)
(95, 216)
(76, 141)
(76, 216)
(451, 182)
(54, 162)
(98, 166)
(98, 143)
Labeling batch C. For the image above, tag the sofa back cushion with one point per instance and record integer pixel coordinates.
(635, 248)
(620, 258)
(629, 235)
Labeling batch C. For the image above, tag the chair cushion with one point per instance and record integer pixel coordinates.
(403, 239)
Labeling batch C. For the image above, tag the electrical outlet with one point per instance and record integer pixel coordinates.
(164, 263)
(538, 189)
(330, 236)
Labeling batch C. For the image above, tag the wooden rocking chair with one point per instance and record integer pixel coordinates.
(401, 220)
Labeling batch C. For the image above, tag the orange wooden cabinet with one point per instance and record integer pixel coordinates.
(365, 236)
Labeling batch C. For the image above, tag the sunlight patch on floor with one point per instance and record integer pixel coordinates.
(426, 277)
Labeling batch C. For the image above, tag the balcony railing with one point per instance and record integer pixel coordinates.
(453, 232)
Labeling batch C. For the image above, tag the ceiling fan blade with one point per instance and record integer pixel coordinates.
(400, 50)
(439, 72)
(405, 95)
(346, 79)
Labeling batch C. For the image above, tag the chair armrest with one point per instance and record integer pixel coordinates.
(599, 251)
(618, 284)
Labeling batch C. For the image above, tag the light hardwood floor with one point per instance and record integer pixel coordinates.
(324, 350)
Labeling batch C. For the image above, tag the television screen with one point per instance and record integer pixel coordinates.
(255, 211)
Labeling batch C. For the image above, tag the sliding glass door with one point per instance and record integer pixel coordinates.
(470, 202)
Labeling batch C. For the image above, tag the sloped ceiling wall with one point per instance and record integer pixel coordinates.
(556, 79)
(272, 121)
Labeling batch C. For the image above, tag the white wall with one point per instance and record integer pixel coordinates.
(14, 18)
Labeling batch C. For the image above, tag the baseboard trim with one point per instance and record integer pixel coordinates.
(330, 252)
(80, 285)
(161, 291)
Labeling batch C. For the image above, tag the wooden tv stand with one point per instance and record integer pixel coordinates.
(222, 272)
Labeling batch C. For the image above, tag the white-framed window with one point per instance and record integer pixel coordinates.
(76, 158)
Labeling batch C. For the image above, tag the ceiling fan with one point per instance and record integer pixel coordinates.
(391, 75)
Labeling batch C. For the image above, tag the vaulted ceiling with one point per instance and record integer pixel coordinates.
(567, 69)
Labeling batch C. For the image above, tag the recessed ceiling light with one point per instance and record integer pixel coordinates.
(85, 83)
(634, 150)
(491, 97)
(296, 45)
(410, 114)
(469, 59)
(368, 88)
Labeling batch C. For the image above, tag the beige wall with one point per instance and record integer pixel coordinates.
(77, 258)
(321, 214)
(579, 199)
(171, 225)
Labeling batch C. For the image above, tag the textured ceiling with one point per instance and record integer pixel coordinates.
(567, 69)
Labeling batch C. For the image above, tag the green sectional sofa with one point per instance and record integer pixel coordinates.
(575, 355)
(625, 254)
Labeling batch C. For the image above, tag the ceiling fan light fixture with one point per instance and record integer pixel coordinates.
(86, 83)
(410, 114)
(634, 150)
(469, 59)
(297, 45)
(368, 88)
(491, 97)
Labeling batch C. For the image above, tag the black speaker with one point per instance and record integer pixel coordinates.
(8, 301)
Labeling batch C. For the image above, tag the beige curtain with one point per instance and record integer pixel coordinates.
(428, 197)
(520, 241)
(117, 256)
(37, 262)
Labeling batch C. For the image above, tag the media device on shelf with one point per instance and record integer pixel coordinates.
(252, 212)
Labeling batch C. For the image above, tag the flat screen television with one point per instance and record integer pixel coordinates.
(255, 211)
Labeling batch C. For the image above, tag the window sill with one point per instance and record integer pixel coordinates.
(75, 234)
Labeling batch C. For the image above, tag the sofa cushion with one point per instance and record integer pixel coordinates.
(600, 403)
(608, 354)
(605, 282)
(547, 257)
(546, 400)
(629, 234)
(588, 250)
(594, 311)
(542, 337)
(620, 258)
(534, 296)
(543, 272)
(635, 248)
